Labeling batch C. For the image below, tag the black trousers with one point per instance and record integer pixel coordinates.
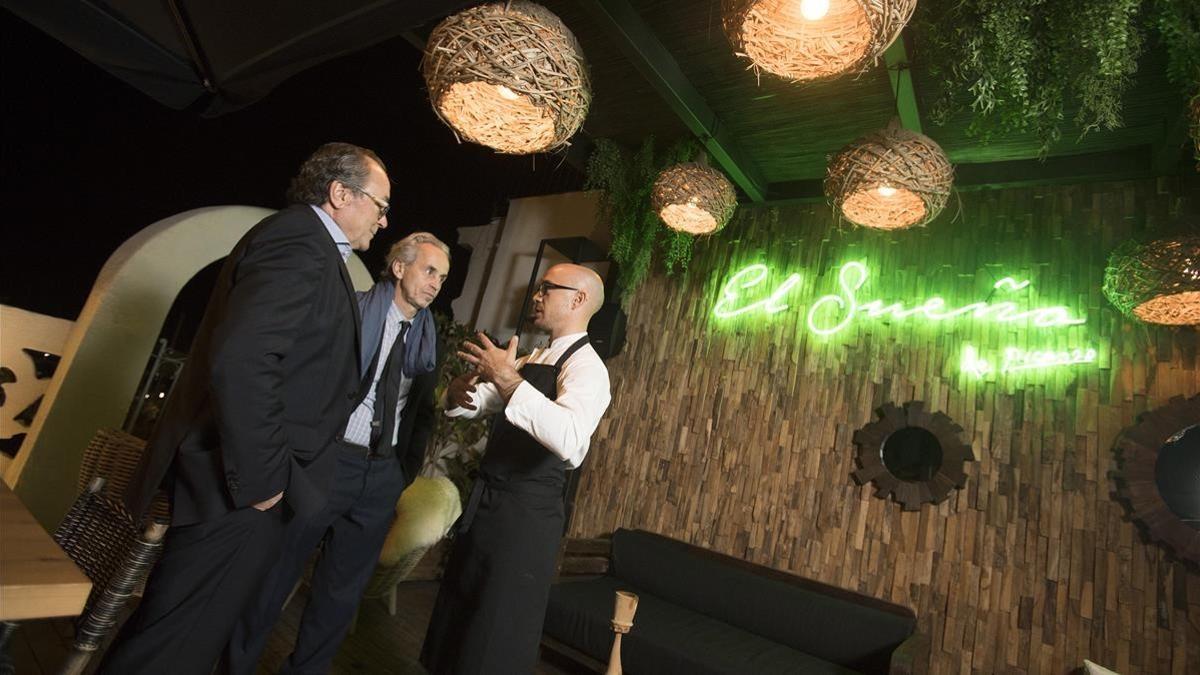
(353, 526)
(488, 616)
(195, 594)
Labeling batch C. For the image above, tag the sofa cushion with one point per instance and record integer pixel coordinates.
(667, 638)
(819, 620)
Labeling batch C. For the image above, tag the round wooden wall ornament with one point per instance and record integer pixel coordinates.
(913, 455)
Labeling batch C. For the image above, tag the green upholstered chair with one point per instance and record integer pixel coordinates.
(424, 513)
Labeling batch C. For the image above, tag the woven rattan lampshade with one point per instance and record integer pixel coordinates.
(693, 198)
(890, 179)
(1157, 282)
(813, 39)
(509, 76)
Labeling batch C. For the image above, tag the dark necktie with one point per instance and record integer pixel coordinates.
(386, 392)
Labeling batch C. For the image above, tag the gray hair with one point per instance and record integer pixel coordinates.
(405, 251)
(342, 162)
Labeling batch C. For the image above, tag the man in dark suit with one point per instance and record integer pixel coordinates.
(381, 449)
(273, 372)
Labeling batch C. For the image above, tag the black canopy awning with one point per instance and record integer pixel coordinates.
(213, 56)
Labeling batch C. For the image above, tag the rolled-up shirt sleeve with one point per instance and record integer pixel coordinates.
(565, 425)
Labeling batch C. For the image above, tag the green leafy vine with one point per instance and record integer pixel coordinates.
(1025, 63)
(625, 181)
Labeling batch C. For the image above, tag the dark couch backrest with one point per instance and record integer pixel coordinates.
(841, 626)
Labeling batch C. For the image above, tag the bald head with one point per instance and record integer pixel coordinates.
(586, 280)
(569, 296)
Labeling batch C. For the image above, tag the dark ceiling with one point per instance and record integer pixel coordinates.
(659, 67)
(657, 62)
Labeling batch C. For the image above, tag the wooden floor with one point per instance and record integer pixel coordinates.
(379, 644)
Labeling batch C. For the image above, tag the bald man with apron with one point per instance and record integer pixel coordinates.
(492, 602)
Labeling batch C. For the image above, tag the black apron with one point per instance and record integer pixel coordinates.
(489, 610)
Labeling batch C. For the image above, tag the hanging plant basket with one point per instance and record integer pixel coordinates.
(693, 198)
(890, 179)
(813, 39)
(509, 76)
(1157, 282)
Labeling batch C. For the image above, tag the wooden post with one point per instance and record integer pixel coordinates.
(626, 606)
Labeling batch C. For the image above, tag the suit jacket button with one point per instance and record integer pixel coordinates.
(350, 395)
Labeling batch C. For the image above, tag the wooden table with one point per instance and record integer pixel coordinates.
(37, 580)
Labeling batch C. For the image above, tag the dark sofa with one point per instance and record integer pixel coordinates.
(700, 612)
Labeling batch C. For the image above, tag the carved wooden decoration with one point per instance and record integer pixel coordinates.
(1137, 451)
(912, 493)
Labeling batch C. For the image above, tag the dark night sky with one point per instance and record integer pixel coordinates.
(86, 160)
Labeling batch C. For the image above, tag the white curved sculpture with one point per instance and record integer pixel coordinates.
(107, 350)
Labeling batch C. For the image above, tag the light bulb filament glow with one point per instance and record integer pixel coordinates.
(814, 10)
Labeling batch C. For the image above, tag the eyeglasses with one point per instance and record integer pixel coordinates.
(547, 286)
(383, 206)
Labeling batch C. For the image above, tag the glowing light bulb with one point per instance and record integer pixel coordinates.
(886, 190)
(507, 93)
(814, 10)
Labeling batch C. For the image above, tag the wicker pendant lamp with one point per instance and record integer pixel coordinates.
(509, 76)
(1156, 282)
(890, 179)
(694, 198)
(803, 40)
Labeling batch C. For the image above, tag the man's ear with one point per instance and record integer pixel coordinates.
(338, 194)
(397, 269)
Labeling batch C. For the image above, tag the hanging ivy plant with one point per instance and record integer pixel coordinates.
(1024, 62)
(1178, 25)
(625, 180)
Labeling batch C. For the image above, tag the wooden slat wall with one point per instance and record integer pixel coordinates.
(737, 436)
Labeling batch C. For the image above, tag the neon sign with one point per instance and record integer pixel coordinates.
(845, 306)
(1019, 359)
(749, 277)
(853, 275)
(833, 313)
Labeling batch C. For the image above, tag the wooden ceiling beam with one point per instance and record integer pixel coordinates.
(651, 58)
(1114, 165)
(900, 75)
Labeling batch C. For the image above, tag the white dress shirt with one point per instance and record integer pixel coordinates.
(565, 425)
(358, 429)
(339, 237)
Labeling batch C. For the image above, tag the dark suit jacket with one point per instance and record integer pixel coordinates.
(271, 378)
(418, 418)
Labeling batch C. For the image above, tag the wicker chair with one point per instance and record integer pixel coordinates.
(114, 454)
(101, 537)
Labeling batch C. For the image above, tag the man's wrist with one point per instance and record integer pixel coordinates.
(507, 382)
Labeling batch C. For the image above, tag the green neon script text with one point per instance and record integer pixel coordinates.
(1016, 359)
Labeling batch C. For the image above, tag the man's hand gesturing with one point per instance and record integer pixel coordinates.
(493, 364)
(458, 394)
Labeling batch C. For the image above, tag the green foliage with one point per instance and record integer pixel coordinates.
(1025, 62)
(456, 443)
(1178, 25)
(625, 182)
(453, 445)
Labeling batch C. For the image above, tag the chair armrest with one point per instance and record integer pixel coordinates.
(911, 657)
